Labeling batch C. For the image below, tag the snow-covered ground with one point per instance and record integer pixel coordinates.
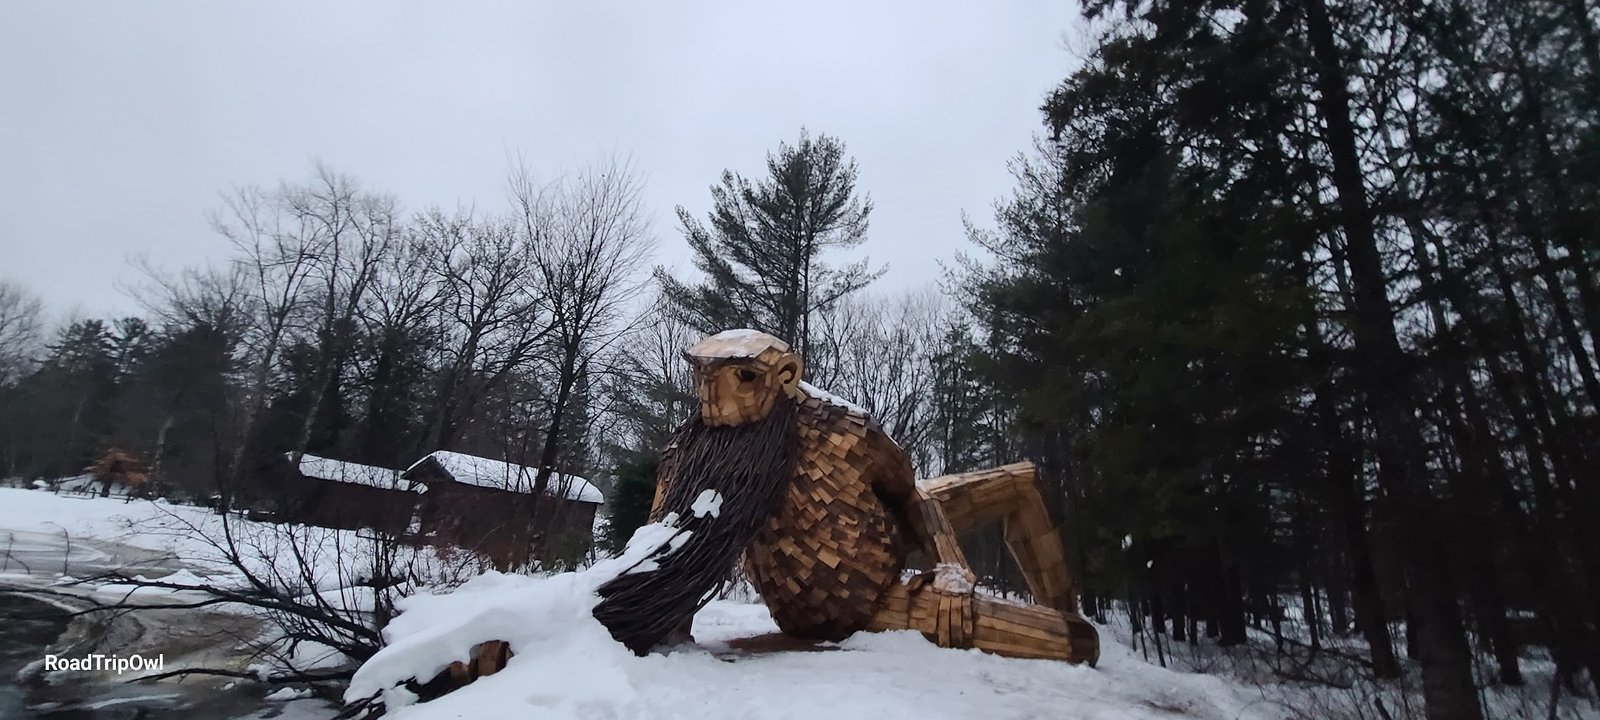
(578, 671)
(78, 536)
(81, 515)
(567, 666)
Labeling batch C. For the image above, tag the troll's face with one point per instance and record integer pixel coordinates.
(739, 375)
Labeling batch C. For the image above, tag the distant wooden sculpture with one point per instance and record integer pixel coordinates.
(825, 509)
(116, 467)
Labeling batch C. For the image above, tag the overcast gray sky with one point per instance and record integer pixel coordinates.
(120, 122)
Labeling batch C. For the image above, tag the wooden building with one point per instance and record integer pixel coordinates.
(489, 506)
(335, 494)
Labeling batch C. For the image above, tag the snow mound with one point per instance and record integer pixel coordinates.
(547, 620)
(566, 665)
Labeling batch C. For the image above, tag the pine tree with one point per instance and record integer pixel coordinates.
(761, 246)
(71, 394)
(391, 426)
(632, 492)
(962, 404)
(179, 408)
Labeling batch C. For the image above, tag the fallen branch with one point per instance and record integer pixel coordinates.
(301, 677)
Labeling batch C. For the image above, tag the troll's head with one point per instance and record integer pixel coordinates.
(739, 375)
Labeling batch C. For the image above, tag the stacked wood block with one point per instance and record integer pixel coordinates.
(485, 659)
(971, 620)
(973, 498)
(825, 558)
(116, 467)
(825, 564)
(738, 379)
(1010, 494)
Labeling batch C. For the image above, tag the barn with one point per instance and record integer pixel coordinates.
(489, 506)
(336, 494)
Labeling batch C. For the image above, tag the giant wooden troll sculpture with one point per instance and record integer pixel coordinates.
(824, 509)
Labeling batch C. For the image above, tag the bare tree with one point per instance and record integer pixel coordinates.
(652, 390)
(212, 301)
(492, 314)
(399, 319)
(590, 239)
(322, 589)
(277, 257)
(306, 256)
(20, 315)
(878, 352)
(352, 232)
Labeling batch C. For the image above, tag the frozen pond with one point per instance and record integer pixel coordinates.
(28, 626)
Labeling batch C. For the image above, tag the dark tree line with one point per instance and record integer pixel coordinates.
(1299, 300)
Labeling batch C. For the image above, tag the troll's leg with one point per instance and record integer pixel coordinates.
(1008, 493)
(953, 618)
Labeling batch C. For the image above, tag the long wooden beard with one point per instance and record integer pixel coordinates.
(750, 467)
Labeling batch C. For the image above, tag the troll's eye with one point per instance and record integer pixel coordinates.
(747, 375)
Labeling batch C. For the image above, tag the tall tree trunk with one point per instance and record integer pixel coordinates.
(1338, 607)
(1479, 455)
(1231, 609)
(1448, 687)
(551, 450)
(1180, 611)
(1365, 591)
(1310, 609)
(1347, 499)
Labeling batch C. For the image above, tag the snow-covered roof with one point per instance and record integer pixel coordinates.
(741, 343)
(339, 471)
(501, 475)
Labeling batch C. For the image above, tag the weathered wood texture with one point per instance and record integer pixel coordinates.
(1010, 494)
(826, 563)
(739, 389)
(116, 467)
(959, 618)
(332, 504)
(822, 561)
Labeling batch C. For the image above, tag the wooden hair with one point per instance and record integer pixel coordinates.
(748, 466)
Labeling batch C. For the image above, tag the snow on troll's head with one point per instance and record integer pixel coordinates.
(740, 375)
